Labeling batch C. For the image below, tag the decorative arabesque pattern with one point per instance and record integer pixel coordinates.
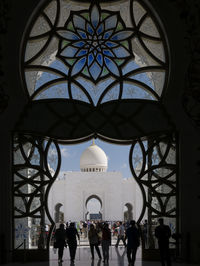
(95, 55)
(92, 54)
(153, 165)
(36, 166)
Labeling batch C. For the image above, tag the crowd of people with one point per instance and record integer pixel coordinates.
(101, 233)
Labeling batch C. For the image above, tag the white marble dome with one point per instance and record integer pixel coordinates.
(93, 159)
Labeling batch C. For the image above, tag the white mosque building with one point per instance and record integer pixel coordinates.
(118, 198)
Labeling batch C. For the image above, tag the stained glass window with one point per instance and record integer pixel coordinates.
(95, 52)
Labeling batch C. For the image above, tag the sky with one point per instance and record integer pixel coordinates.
(118, 157)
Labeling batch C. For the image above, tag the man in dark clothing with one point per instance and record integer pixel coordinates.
(60, 235)
(133, 242)
(163, 233)
(72, 235)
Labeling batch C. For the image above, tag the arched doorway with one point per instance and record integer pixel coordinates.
(106, 80)
(94, 208)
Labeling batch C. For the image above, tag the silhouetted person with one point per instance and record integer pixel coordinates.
(72, 235)
(121, 234)
(133, 242)
(60, 236)
(145, 233)
(163, 233)
(94, 241)
(106, 242)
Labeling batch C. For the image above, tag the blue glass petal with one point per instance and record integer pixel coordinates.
(95, 70)
(108, 53)
(69, 51)
(79, 22)
(99, 49)
(90, 59)
(111, 22)
(79, 44)
(121, 35)
(78, 66)
(91, 49)
(100, 29)
(100, 59)
(111, 44)
(108, 34)
(90, 29)
(82, 34)
(121, 52)
(111, 66)
(82, 52)
(95, 16)
(68, 35)
(95, 52)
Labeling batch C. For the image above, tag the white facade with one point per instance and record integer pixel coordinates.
(113, 191)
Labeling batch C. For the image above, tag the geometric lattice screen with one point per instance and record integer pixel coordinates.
(93, 68)
(36, 166)
(95, 53)
(153, 164)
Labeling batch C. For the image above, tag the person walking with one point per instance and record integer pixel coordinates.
(145, 233)
(106, 242)
(72, 235)
(60, 236)
(163, 233)
(94, 241)
(133, 242)
(121, 235)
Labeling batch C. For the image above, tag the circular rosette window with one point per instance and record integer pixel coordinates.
(95, 52)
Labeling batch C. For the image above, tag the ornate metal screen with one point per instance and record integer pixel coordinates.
(96, 53)
(93, 69)
(36, 166)
(153, 165)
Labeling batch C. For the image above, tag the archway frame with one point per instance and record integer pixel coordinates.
(129, 136)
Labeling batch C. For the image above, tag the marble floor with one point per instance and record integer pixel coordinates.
(83, 258)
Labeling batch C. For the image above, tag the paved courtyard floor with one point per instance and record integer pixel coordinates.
(83, 258)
